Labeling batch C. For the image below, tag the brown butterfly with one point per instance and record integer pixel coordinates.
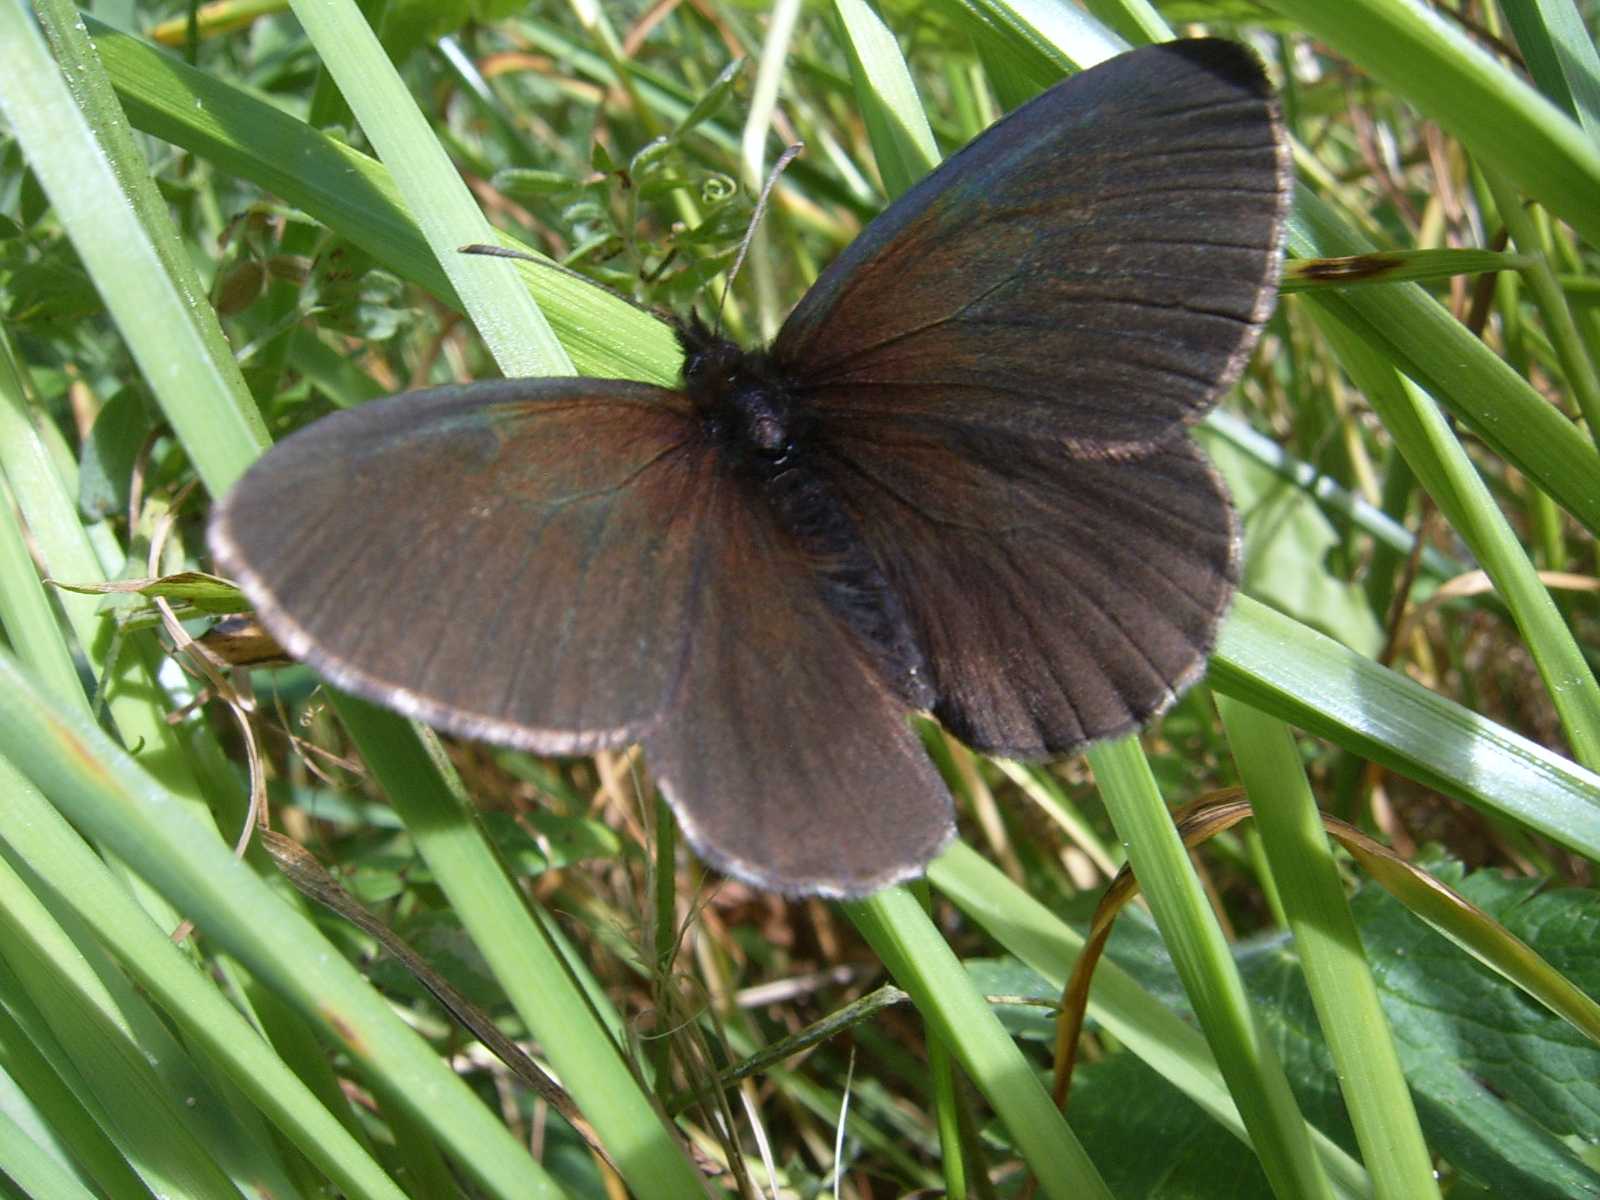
(960, 480)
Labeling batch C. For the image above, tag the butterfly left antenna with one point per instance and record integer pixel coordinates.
(523, 256)
(784, 159)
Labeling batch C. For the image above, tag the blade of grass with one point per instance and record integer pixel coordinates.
(1199, 952)
(112, 798)
(921, 961)
(34, 832)
(902, 143)
(1336, 971)
(117, 1078)
(1561, 57)
(1440, 462)
(1497, 116)
(491, 290)
(753, 154)
(1582, 383)
(357, 197)
(37, 1095)
(411, 767)
(1172, 1046)
(83, 185)
(32, 1169)
(1302, 677)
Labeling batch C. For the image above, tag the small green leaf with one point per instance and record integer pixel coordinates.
(714, 98)
(105, 467)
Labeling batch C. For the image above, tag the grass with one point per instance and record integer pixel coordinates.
(181, 291)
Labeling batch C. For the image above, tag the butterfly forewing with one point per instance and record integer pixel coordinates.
(1093, 270)
(564, 565)
(510, 560)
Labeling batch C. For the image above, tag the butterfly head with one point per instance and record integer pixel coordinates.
(740, 395)
(708, 357)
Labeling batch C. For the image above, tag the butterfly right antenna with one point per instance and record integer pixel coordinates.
(784, 159)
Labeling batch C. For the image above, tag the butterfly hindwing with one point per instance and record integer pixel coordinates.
(789, 759)
(1056, 601)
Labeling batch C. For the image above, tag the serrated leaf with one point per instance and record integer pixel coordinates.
(1500, 1083)
(1151, 1142)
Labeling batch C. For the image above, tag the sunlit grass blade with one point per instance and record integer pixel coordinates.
(924, 965)
(1341, 985)
(1189, 928)
(1309, 680)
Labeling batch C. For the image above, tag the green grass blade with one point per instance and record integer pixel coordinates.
(1499, 118)
(122, 1080)
(1341, 985)
(34, 833)
(112, 798)
(922, 963)
(159, 319)
(356, 196)
(902, 143)
(1561, 56)
(32, 1170)
(1199, 952)
(1440, 462)
(501, 308)
(1421, 337)
(1285, 668)
(527, 965)
(1028, 930)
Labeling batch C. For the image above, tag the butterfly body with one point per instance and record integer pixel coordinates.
(760, 429)
(960, 480)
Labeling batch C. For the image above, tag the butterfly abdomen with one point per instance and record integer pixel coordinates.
(853, 584)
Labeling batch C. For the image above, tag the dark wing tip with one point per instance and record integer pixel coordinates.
(1228, 60)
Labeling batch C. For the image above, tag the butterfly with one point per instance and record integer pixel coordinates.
(958, 481)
